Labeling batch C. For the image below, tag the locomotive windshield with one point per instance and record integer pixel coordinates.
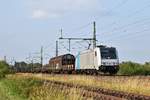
(108, 53)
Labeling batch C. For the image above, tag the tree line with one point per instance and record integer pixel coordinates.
(132, 68)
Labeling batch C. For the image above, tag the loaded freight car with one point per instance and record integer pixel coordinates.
(63, 63)
(102, 59)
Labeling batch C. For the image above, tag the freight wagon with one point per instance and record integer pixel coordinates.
(63, 63)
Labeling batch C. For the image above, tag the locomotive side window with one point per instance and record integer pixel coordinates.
(95, 53)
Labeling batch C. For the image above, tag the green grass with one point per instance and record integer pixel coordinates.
(55, 92)
(6, 93)
(15, 87)
(134, 84)
(33, 86)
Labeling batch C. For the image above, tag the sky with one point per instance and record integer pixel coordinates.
(26, 25)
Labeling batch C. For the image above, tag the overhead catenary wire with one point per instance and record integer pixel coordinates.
(125, 27)
(120, 4)
(62, 44)
(128, 35)
(81, 28)
(129, 15)
(124, 32)
(117, 6)
(80, 45)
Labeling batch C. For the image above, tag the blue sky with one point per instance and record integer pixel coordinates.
(26, 25)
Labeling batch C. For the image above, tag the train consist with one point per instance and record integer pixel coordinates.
(101, 59)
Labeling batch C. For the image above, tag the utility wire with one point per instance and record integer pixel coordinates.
(61, 43)
(128, 25)
(74, 31)
(90, 23)
(81, 28)
(119, 5)
(129, 34)
(130, 15)
(81, 45)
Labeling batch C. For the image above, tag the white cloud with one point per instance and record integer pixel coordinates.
(39, 14)
(44, 14)
(57, 8)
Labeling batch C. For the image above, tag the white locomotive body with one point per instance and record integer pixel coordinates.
(102, 58)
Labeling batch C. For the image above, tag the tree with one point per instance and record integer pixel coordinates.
(4, 69)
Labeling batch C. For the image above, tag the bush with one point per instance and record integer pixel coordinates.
(131, 68)
(4, 69)
(147, 68)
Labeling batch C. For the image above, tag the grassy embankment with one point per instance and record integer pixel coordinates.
(31, 86)
(135, 84)
(16, 87)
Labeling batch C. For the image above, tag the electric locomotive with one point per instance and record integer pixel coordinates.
(101, 59)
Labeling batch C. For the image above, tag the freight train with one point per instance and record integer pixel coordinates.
(101, 59)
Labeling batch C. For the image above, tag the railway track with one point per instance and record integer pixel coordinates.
(101, 93)
(94, 74)
(74, 73)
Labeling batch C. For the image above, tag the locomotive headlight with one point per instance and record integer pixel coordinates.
(116, 63)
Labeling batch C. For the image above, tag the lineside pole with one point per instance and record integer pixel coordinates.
(41, 56)
(69, 45)
(5, 59)
(94, 34)
(56, 48)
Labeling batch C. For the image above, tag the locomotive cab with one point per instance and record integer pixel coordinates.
(109, 61)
